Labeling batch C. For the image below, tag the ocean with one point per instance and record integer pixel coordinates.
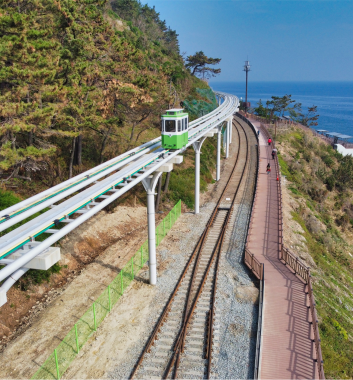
(334, 100)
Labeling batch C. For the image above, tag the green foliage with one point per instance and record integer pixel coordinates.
(294, 190)
(260, 110)
(182, 180)
(7, 199)
(82, 76)
(198, 62)
(201, 103)
(37, 277)
(281, 104)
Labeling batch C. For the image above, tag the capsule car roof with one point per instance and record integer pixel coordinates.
(175, 112)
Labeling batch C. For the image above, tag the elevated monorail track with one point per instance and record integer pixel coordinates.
(76, 200)
(185, 336)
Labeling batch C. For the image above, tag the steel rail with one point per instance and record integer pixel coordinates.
(191, 302)
(30, 230)
(30, 206)
(194, 254)
(216, 255)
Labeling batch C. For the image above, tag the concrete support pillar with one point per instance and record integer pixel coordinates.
(197, 147)
(227, 139)
(150, 185)
(230, 130)
(218, 165)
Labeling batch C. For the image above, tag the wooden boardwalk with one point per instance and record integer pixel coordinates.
(288, 351)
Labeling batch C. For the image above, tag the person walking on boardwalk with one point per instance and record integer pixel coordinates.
(258, 132)
(269, 141)
(273, 153)
(268, 169)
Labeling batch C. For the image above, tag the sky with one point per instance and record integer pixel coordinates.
(284, 40)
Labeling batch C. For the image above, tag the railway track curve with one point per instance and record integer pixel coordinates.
(186, 334)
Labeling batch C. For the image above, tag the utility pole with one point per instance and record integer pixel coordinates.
(246, 69)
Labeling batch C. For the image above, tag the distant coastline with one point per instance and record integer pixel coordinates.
(333, 99)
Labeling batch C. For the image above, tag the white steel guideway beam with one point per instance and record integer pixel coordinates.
(108, 190)
(30, 206)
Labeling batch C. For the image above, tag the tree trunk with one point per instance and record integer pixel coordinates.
(78, 151)
(132, 132)
(105, 138)
(158, 194)
(30, 134)
(72, 156)
(30, 138)
(166, 183)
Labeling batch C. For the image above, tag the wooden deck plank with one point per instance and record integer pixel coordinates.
(287, 351)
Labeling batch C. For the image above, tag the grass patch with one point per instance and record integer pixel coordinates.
(294, 190)
(37, 277)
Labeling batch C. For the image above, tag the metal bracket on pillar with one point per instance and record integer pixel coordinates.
(149, 184)
(197, 147)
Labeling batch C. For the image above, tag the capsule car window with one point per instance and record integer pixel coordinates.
(170, 125)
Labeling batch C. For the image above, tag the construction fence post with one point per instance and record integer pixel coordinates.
(109, 299)
(77, 345)
(94, 316)
(141, 256)
(57, 365)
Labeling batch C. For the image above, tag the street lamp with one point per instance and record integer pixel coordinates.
(246, 69)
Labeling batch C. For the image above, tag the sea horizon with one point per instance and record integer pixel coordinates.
(334, 99)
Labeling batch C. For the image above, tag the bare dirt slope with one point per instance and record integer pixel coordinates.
(115, 347)
(119, 235)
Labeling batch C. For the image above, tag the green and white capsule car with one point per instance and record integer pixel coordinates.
(175, 124)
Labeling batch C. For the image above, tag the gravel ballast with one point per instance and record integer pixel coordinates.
(237, 296)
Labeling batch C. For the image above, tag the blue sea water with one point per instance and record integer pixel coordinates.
(334, 100)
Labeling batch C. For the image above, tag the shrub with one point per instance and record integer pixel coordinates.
(330, 182)
(7, 199)
(35, 276)
(313, 224)
(339, 328)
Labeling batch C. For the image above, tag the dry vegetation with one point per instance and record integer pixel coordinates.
(319, 227)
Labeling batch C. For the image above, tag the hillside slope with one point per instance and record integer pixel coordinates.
(318, 220)
(80, 82)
